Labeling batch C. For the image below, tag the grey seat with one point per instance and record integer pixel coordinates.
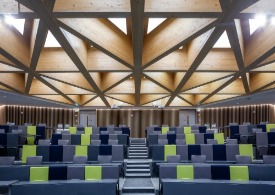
(173, 159)
(162, 141)
(195, 131)
(180, 136)
(80, 159)
(261, 144)
(65, 132)
(118, 132)
(95, 137)
(75, 172)
(162, 136)
(257, 130)
(68, 153)
(113, 142)
(16, 131)
(198, 158)
(79, 132)
(104, 132)
(231, 141)
(243, 131)
(34, 160)
(272, 130)
(6, 160)
(241, 159)
(268, 159)
(104, 159)
(171, 132)
(44, 142)
(179, 130)
(207, 150)
(231, 151)
(95, 130)
(111, 130)
(199, 138)
(2, 130)
(63, 142)
(180, 142)
(202, 171)
(112, 136)
(211, 141)
(95, 142)
(210, 131)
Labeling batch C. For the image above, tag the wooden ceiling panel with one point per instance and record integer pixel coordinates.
(173, 65)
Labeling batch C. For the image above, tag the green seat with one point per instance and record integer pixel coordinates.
(28, 151)
(85, 139)
(187, 130)
(93, 172)
(246, 150)
(72, 130)
(185, 172)
(269, 126)
(169, 150)
(81, 150)
(190, 138)
(88, 130)
(39, 173)
(164, 130)
(219, 137)
(31, 130)
(239, 173)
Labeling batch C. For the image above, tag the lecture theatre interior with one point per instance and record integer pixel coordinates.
(137, 97)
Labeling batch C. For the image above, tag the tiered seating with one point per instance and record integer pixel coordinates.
(201, 177)
(55, 179)
(56, 153)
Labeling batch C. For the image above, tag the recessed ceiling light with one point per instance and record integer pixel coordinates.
(131, 77)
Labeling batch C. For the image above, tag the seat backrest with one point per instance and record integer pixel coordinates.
(95, 142)
(118, 132)
(261, 139)
(162, 141)
(195, 131)
(180, 136)
(44, 142)
(231, 141)
(63, 142)
(272, 129)
(34, 160)
(6, 160)
(111, 130)
(79, 132)
(16, 131)
(104, 132)
(80, 159)
(257, 130)
(241, 159)
(179, 130)
(60, 126)
(180, 142)
(198, 158)
(112, 136)
(243, 129)
(210, 131)
(66, 126)
(268, 159)
(113, 142)
(2, 130)
(162, 136)
(173, 159)
(65, 132)
(171, 132)
(104, 158)
(211, 141)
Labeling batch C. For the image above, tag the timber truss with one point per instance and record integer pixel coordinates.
(98, 65)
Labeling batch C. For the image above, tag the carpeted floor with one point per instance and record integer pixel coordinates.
(138, 182)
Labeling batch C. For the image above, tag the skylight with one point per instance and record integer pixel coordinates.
(51, 41)
(223, 42)
(17, 23)
(120, 23)
(256, 23)
(153, 23)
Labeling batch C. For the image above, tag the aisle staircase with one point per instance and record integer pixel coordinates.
(138, 172)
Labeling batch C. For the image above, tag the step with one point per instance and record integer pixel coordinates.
(138, 193)
(138, 151)
(137, 148)
(138, 175)
(138, 171)
(138, 162)
(140, 190)
(146, 166)
(137, 140)
(138, 154)
(137, 157)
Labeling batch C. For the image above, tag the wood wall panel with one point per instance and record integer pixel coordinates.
(35, 115)
(136, 119)
(225, 115)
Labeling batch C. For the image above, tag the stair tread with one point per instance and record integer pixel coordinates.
(138, 193)
(147, 165)
(137, 170)
(137, 187)
(138, 174)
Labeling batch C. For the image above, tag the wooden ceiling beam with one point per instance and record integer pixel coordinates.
(154, 42)
(103, 35)
(137, 13)
(236, 40)
(76, 54)
(37, 42)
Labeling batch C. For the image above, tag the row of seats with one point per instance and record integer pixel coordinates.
(197, 138)
(89, 139)
(65, 153)
(59, 172)
(218, 152)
